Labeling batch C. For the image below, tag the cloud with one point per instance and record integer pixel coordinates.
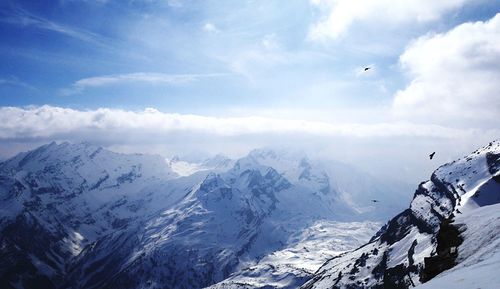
(337, 16)
(16, 82)
(265, 55)
(22, 17)
(138, 77)
(270, 42)
(175, 3)
(381, 148)
(454, 75)
(210, 28)
(53, 122)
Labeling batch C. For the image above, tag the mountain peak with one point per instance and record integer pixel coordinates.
(93, 166)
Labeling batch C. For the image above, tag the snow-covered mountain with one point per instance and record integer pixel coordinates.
(227, 221)
(197, 242)
(345, 184)
(457, 207)
(57, 199)
(79, 216)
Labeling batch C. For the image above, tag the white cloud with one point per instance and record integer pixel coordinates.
(210, 28)
(270, 42)
(53, 122)
(455, 75)
(338, 15)
(144, 77)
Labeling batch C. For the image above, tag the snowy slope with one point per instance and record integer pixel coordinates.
(306, 252)
(479, 255)
(394, 258)
(58, 198)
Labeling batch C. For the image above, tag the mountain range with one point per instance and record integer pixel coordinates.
(81, 216)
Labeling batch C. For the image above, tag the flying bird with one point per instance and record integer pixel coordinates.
(375, 201)
(367, 68)
(431, 155)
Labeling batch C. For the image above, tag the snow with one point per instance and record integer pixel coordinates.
(253, 220)
(86, 190)
(478, 256)
(487, 193)
(270, 218)
(183, 168)
(217, 163)
(304, 254)
(334, 182)
(399, 251)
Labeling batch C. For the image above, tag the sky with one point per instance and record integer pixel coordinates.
(205, 77)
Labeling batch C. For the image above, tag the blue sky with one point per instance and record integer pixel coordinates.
(296, 60)
(251, 54)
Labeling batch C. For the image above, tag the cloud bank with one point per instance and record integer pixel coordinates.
(52, 122)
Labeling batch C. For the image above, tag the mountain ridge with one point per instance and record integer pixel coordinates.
(394, 257)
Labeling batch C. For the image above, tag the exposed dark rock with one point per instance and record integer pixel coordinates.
(448, 240)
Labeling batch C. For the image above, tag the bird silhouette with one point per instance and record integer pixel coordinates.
(375, 201)
(431, 155)
(367, 68)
